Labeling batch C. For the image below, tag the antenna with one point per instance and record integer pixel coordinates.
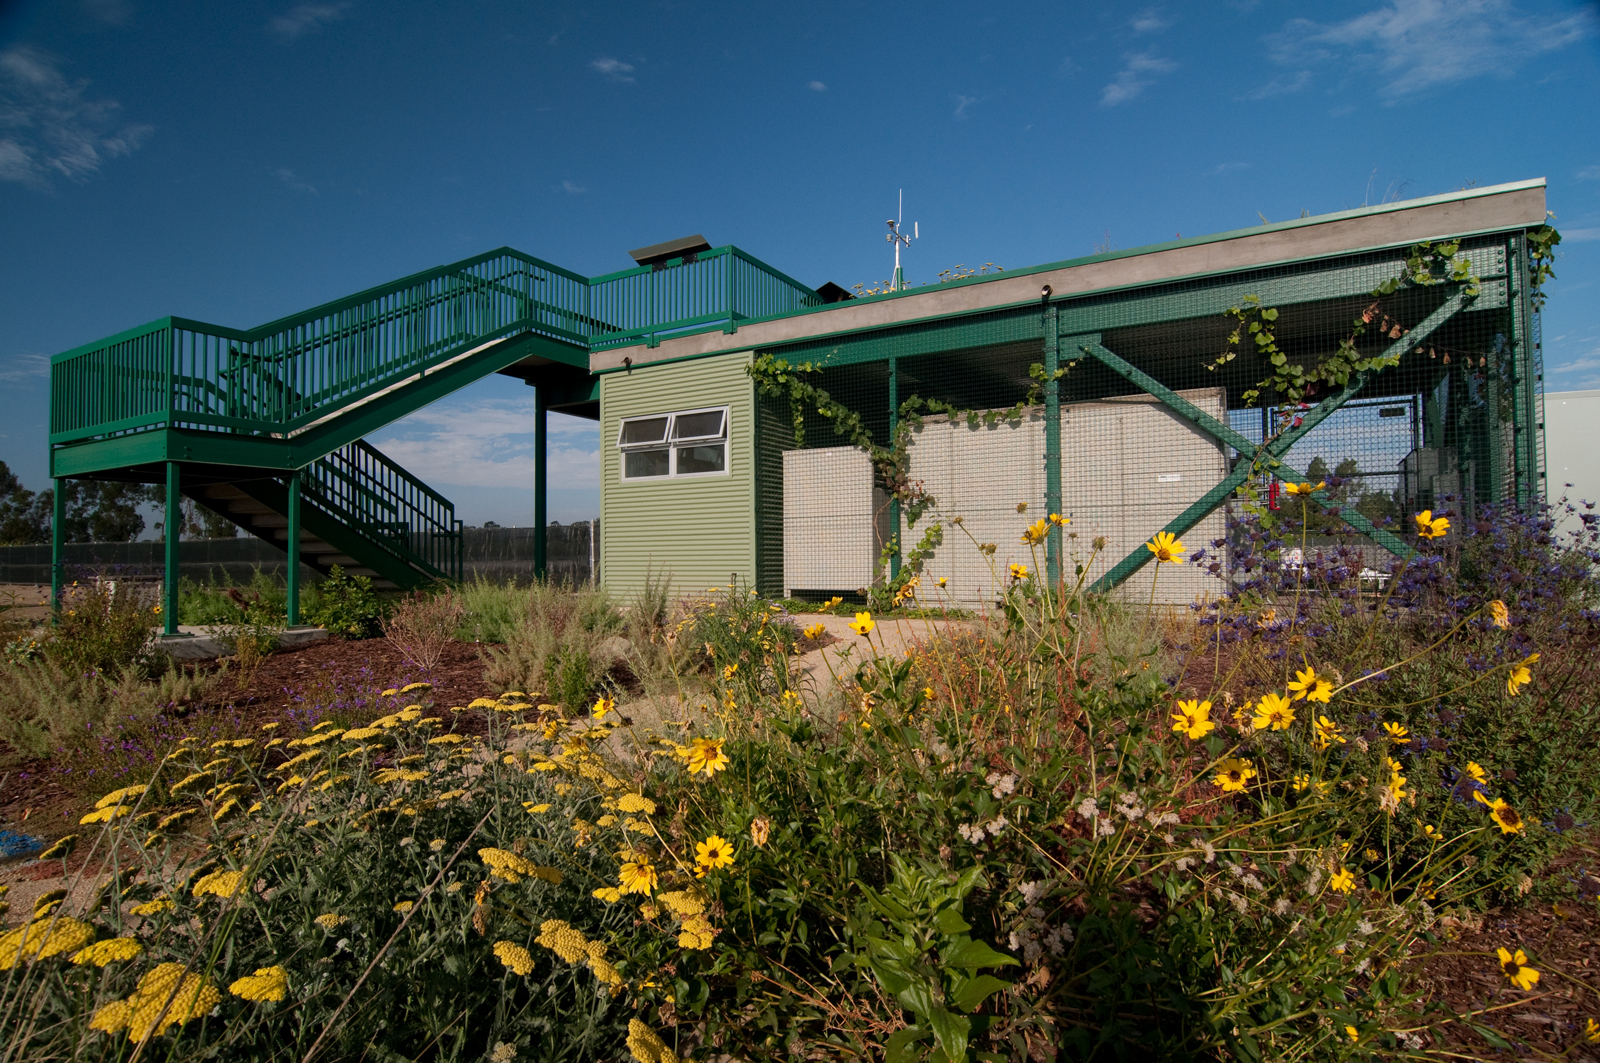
(899, 240)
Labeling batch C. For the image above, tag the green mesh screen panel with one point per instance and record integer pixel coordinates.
(1453, 425)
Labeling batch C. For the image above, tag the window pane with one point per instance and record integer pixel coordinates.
(698, 425)
(641, 463)
(645, 430)
(711, 458)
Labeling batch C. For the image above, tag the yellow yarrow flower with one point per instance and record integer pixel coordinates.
(268, 983)
(42, 939)
(223, 884)
(1514, 965)
(632, 802)
(1166, 547)
(559, 937)
(111, 950)
(646, 1046)
(1193, 718)
(514, 956)
(166, 996)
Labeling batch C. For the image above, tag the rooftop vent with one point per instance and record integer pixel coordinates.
(657, 255)
(832, 293)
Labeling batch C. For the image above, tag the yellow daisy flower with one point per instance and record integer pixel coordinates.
(1166, 547)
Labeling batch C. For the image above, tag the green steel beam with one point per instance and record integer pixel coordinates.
(58, 531)
(1052, 440)
(541, 488)
(173, 531)
(894, 499)
(1272, 455)
(292, 548)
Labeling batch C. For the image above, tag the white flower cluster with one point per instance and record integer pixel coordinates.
(976, 834)
(1002, 784)
(1031, 937)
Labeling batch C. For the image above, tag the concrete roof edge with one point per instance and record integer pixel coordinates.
(601, 361)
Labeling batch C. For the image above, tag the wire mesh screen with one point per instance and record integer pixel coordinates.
(1157, 430)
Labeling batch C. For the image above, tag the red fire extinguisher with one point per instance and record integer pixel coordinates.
(1272, 495)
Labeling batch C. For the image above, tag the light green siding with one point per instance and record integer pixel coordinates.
(696, 531)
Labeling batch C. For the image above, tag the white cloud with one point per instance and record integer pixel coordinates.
(1417, 44)
(1279, 87)
(1589, 173)
(817, 86)
(489, 443)
(1580, 234)
(289, 178)
(615, 69)
(573, 189)
(22, 367)
(1136, 75)
(47, 126)
(307, 18)
(1149, 22)
(962, 103)
(1227, 167)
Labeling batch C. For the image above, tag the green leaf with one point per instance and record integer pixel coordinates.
(950, 1032)
(898, 1046)
(976, 991)
(950, 923)
(975, 954)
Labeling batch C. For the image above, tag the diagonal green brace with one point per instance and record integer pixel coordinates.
(1270, 456)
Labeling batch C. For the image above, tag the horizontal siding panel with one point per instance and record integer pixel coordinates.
(694, 532)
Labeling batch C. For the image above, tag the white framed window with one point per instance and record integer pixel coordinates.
(666, 446)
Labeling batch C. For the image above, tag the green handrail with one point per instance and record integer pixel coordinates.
(396, 511)
(289, 373)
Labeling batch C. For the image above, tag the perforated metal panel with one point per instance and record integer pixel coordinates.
(835, 521)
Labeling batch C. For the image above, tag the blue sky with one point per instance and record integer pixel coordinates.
(237, 162)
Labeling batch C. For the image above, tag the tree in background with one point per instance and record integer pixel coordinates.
(22, 518)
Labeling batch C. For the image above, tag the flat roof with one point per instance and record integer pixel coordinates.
(1470, 211)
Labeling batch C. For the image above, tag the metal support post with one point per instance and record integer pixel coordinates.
(1052, 440)
(293, 547)
(894, 500)
(174, 527)
(58, 532)
(541, 492)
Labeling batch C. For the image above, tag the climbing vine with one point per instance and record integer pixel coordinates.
(1541, 260)
(1426, 263)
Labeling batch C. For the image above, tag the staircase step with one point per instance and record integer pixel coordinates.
(344, 561)
(248, 507)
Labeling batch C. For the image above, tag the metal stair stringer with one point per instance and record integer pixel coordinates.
(358, 510)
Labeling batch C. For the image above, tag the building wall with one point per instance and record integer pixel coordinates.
(1572, 445)
(695, 532)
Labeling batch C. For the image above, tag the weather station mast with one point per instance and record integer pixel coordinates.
(900, 239)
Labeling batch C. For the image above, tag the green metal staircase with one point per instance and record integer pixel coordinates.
(266, 424)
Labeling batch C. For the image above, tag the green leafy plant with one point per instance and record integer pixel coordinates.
(347, 606)
(921, 952)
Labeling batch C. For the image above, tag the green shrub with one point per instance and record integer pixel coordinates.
(565, 643)
(105, 627)
(220, 602)
(490, 610)
(347, 606)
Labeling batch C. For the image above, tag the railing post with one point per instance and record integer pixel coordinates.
(1052, 440)
(58, 532)
(541, 494)
(173, 530)
(293, 546)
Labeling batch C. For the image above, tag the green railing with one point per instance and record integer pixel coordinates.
(721, 287)
(368, 492)
(288, 374)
